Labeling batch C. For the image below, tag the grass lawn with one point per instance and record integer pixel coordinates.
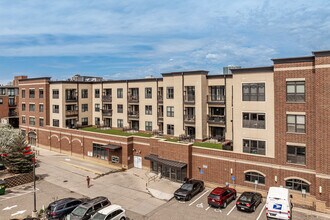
(116, 132)
(172, 139)
(208, 145)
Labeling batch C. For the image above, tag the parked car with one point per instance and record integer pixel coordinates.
(85, 210)
(111, 212)
(221, 197)
(249, 201)
(189, 189)
(278, 203)
(60, 208)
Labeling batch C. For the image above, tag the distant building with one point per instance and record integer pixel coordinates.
(227, 69)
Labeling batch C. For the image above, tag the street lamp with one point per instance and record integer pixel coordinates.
(34, 212)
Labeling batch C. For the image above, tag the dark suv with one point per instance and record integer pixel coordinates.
(60, 208)
(85, 210)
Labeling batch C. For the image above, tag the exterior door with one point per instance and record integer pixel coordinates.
(138, 162)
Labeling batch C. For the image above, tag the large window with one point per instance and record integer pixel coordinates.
(170, 111)
(120, 108)
(296, 123)
(23, 93)
(97, 93)
(3, 91)
(297, 184)
(97, 107)
(148, 126)
(41, 93)
(100, 152)
(31, 93)
(56, 109)
(84, 93)
(32, 121)
(296, 154)
(23, 107)
(84, 121)
(253, 91)
(254, 147)
(148, 93)
(23, 119)
(254, 120)
(119, 93)
(56, 123)
(253, 176)
(120, 123)
(32, 107)
(170, 92)
(217, 93)
(84, 107)
(148, 109)
(170, 129)
(41, 108)
(295, 91)
(41, 122)
(56, 93)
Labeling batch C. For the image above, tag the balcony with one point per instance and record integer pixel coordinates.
(189, 118)
(71, 98)
(254, 124)
(216, 119)
(160, 116)
(133, 99)
(106, 98)
(71, 113)
(189, 99)
(12, 104)
(133, 114)
(216, 99)
(107, 112)
(12, 114)
(160, 98)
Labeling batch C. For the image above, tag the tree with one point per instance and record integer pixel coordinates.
(7, 136)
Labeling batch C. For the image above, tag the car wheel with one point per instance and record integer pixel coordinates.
(188, 198)
(224, 205)
(254, 208)
(122, 218)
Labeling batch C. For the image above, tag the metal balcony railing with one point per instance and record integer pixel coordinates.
(71, 113)
(71, 98)
(133, 98)
(216, 119)
(133, 114)
(107, 112)
(189, 118)
(216, 99)
(189, 99)
(107, 98)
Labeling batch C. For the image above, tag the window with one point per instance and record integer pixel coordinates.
(148, 109)
(253, 91)
(148, 93)
(170, 129)
(97, 121)
(41, 93)
(84, 121)
(114, 159)
(296, 123)
(32, 107)
(170, 92)
(31, 93)
(84, 93)
(23, 119)
(119, 108)
(32, 121)
(254, 120)
(254, 147)
(119, 93)
(296, 154)
(97, 93)
(189, 95)
(84, 107)
(56, 109)
(148, 126)
(23, 93)
(3, 91)
(41, 122)
(56, 123)
(23, 107)
(170, 111)
(120, 123)
(100, 152)
(97, 107)
(295, 91)
(11, 92)
(41, 108)
(253, 176)
(56, 93)
(297, 184)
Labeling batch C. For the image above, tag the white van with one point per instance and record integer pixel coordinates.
(278, 204)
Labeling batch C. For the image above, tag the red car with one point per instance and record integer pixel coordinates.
(221, 197)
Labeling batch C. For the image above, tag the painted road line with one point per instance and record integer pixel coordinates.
(231, 210)
(262, 210)
(199, 197)
(207, 208)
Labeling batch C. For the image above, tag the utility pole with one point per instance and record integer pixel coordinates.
(34, 212)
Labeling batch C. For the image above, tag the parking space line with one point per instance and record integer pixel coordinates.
(231, 210)
(262, 210)
(207, 208)
(199, 197)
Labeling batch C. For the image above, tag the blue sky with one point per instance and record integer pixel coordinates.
(131, 39)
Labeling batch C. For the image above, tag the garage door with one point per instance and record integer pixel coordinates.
(137, 161)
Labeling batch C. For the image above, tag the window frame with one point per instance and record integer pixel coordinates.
(56, 94)
(148, 125)
(120, 93)
(32, 93)
(256, 96)
(258, 150)
(170, 129)
(170, 92)
(148, 92)
(295, 155)
(295, 96)
(253, 123)
(296, 184)
(84, 93)
(148, 109)
(295, 125)
(170, 111)
(254, 176)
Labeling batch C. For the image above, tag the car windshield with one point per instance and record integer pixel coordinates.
(79, 211)
(213, 196)
(245, 198)
(98, 216)
(187, 186)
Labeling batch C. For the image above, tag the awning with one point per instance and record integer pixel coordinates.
(170, 163)
(112, 147)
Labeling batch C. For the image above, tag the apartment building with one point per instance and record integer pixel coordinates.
(273, 123)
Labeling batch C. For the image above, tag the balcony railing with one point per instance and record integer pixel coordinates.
(189, 99)
(12, 104)
(12, 114)
(107, 112)
(216, 119)
(71, 113)
(160, 98)
(133, 98)
(216, 99)
(71, 99)
(107, 98)
(189, 118)
(253, 124)
(133, 114)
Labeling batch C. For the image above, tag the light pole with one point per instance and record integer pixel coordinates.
(34, 212)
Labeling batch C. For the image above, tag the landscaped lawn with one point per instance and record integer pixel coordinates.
(116, 132)
(208, 145)
(172, 139)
